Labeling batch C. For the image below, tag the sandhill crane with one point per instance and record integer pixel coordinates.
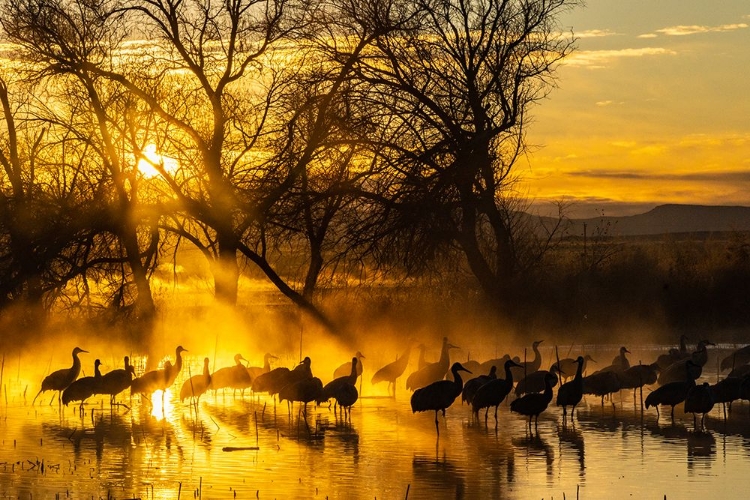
(195, 386)
(83, 388)
(271, 382)
(620, 362)
(602, 383)
(61, 379)
(637, 376)
(421, 361)
(493, 392)
(569, 366)
(471, 385)
(256, 371)
(532, 405)
(158, 380)
(439, 395)
(673, 393)
(331, 388)
(727, 391)
(674, 354)
(676, 371)
(304, 390)
(487, 365)
(535, 382)
(526, 368)
(345, 369)
(433, 371)
(571, 393)
(116, 381)
(346, 395)
(233, 377)
(699, 399)
(392, 371)
(737, 358)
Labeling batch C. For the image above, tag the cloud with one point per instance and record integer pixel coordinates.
(600, 58)
(726, 176)
(594, 33)
(684, 30)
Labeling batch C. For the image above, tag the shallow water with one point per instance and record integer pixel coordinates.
(384, 452)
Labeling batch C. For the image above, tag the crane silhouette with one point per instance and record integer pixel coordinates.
(345, 369)
(197, 385)
(439, 395)
(332, 387)
(234, 377)
(602, 383)
(493, 392)
(532, 405)
(737, 358)
(676, 371)
(305, 390)
(392, 371)
(526, 368)
(571, 393)
(83, 388)
(569, 366)
(59, 380)
(432, 372)
(116, 381)
(673, 393)
(256, 371)
(534, 382)
(699, 399)
(472, 385)
(158, 380)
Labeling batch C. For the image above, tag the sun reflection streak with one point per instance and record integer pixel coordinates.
(162, 408)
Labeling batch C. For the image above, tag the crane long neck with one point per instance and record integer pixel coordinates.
(353, 373)
(76, 368)
(579, 371)
(444, 359)
(266, 363)
(457, 381)
(206, 372)
(508, 374)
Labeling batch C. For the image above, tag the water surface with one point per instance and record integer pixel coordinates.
(382, 452)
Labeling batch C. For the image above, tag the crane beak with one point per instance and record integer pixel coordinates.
(451, 346)
(513, 363)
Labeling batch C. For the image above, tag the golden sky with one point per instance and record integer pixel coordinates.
(652, 108)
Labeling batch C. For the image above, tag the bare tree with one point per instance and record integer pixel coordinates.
(456, 90)
(63, 41)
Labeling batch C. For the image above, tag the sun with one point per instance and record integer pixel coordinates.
(151, 159)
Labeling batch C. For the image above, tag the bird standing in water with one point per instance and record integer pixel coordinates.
(59, 380)
(116, 381)
(197, 385)
(494, 392)
(83, 388)
(532, 405)
(439, 395)
(571, 393)
(392, 371)
(432, 372)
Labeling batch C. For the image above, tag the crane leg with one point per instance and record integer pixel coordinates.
(437, 426)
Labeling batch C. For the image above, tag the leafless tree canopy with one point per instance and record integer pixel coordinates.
(310, 143)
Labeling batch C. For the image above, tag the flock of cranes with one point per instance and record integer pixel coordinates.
(437, 385)
(295, 385)
(676, 373)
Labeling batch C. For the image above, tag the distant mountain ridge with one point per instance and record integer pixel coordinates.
(670, 219)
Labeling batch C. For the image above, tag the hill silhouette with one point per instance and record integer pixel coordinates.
(670, 219)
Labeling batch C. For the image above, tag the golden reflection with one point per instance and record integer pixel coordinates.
(161, 405)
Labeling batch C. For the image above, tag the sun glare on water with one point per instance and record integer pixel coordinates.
(151, 159)
(162, 408)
